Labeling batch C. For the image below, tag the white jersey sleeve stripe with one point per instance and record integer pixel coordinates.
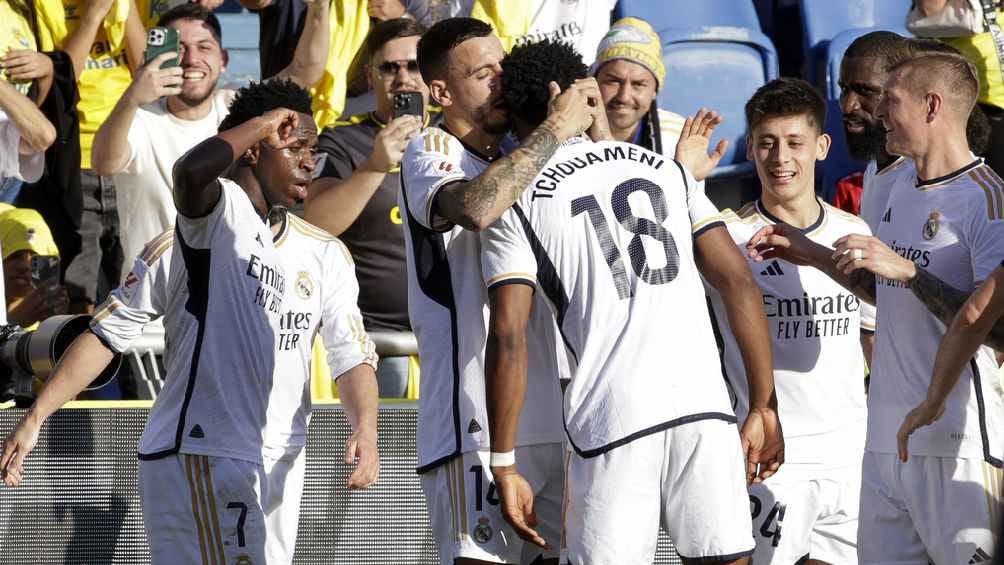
(512, 278)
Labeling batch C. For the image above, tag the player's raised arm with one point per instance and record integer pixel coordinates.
(476, 204)
(196, 189)
(724, 268)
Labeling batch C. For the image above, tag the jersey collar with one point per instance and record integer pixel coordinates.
(775, 220)
(926, 184)
(278, 214)
(468, 148)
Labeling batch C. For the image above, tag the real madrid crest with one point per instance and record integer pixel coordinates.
(304, 285)
(483, 531)
(932, 225)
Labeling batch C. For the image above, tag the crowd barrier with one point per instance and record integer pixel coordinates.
(79, 502)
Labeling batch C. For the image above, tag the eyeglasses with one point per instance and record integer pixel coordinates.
(389, 69)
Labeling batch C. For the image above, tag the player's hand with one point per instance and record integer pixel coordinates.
(853, 252)
(16, 447)
(26, 64)
(569, 111)
(390, 143)
(763, 444)
(153, 82)
(516, 497)
(925, 414)
(785, 242)
(600, 128)
(692, 148)
(280, 127)
(361, 449)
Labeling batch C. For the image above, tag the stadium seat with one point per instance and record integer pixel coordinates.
(240, 39)
(717, 68)
(687, 14)
(823, 20)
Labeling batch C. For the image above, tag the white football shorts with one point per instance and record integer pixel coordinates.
(690, 478)
(927, 510)
(801, 512)
(205, 509)
(464, 506)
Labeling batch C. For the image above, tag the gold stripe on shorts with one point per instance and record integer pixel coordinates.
(463, 497)
(196, 506)
(450, 490)
(216, 536)
(565, 500)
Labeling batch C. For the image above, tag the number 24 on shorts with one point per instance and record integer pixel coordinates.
(776, 513)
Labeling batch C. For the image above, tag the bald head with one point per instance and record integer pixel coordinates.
(948, 75)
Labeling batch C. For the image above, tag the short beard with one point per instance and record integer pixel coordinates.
(868, 144)
(193, 101)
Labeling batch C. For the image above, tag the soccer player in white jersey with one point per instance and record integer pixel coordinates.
(614, 237)
(944, 236)
(221, 461)
(820, 331)
(454, 182)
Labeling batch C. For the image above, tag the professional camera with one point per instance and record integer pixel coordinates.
(28, 354)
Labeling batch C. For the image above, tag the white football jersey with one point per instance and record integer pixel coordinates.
(447, 303)
(953, 227)
(815, 328)
(320, 296)
(606, 233)
(876, 186)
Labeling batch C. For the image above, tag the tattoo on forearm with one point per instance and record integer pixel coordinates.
(942, 299)
(863, 284)
(500, 188)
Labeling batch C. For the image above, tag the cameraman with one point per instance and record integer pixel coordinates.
(355, 195)
(23, 236)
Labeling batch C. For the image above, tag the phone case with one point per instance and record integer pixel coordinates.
(162, 40)
(408, 104)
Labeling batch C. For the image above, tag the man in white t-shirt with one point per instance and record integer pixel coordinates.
(244, 297)
(943, 237)
(455, 182)
(167, 111)
(612, 239)
(820, 333)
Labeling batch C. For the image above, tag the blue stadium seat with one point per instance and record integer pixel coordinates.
(240, 39)
(687, 13)
(823, 20)
(717, 68)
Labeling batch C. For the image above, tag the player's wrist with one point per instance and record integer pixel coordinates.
(502, 459)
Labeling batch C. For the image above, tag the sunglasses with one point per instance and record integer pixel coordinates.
(389, 69)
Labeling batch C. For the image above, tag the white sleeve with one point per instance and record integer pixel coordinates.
(140, 146)
(140, 299)
(431, 160)
(198, 233)
(28, 168)
(506, 255)
(704, 215)
(345, 338)
(985, 235)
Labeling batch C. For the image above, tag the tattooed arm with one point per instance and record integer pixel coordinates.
(946, 301)
(477, 203)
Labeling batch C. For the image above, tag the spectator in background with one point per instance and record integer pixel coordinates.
(104, 40)
(282, 22)
(166, 112)
(24, 235)
(355, 195)
(630, 71)
(982, 52)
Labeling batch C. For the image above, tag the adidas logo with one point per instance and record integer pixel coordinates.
(196, 432)
(473, 427)
(888, 215)
(979, 557)
(773, 270)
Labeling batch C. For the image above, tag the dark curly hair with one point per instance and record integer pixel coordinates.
(258, 98)
(786, 97)
(527, 70)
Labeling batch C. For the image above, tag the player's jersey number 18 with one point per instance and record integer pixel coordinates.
(639, 227)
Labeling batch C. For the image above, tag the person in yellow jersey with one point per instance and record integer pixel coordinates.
(981, 51)
(104, 40)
